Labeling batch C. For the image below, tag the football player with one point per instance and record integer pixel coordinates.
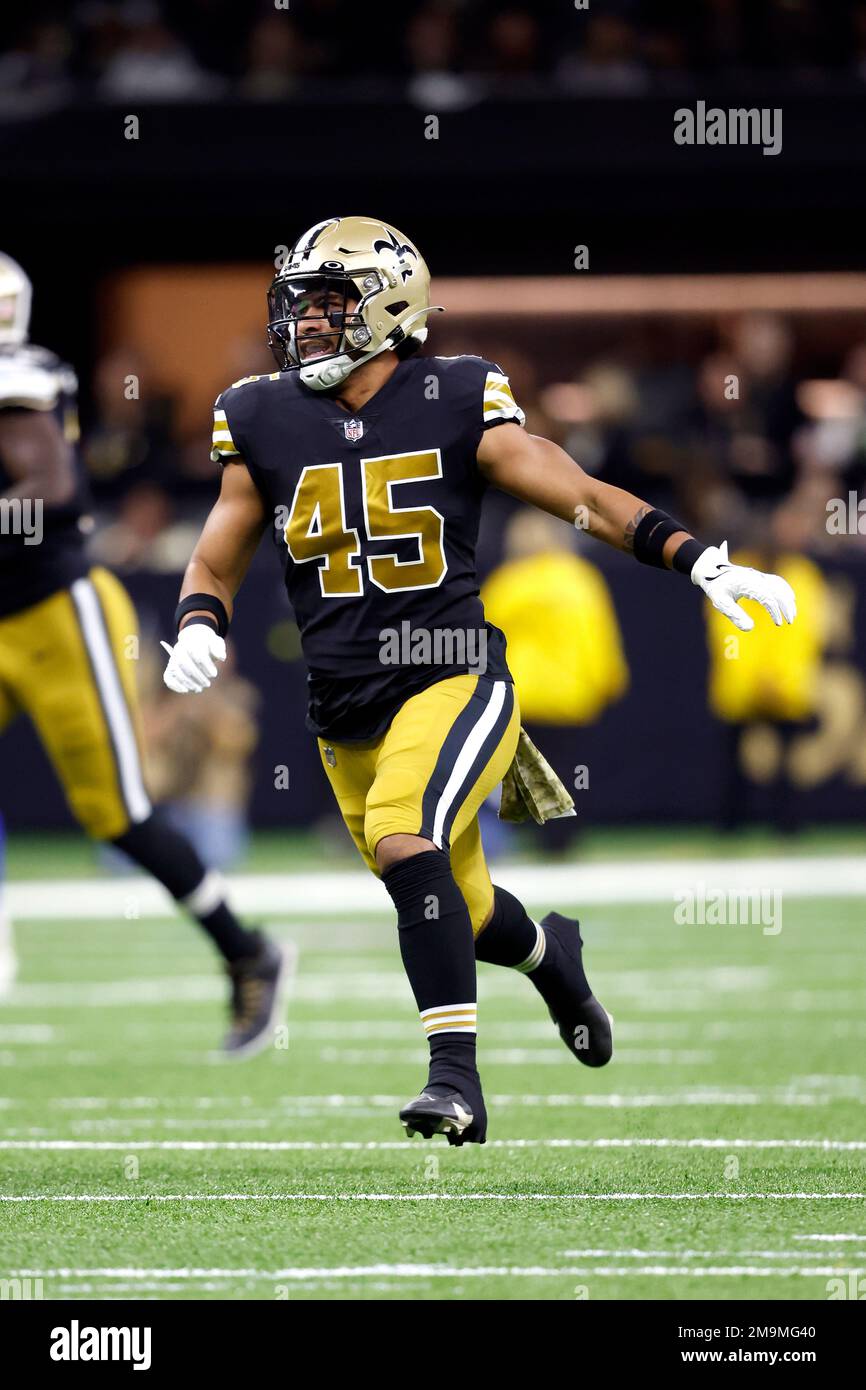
(67, 634)
(369, 464)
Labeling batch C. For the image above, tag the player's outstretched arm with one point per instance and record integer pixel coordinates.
(538, 471)
(213, 576)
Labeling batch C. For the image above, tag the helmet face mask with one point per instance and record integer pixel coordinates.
(350, 288)
(314, 318)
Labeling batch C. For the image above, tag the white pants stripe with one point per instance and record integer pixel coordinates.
(466, 758)
(111, 695)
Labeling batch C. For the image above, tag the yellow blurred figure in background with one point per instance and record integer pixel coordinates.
(565, 649)
(769, 677)
(770, 673)
(564, 644)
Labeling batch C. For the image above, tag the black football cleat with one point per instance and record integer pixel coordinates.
(584, 1024)
(443, 1110)
(257, 989)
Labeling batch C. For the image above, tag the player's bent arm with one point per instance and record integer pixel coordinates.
(213, 576)
(36, 457)
(539, 472)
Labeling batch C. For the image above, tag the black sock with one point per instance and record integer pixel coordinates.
(159, 849)
(436, 946)
(510, 937)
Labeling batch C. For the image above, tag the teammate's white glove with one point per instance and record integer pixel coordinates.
(191, 666)
(724, 583)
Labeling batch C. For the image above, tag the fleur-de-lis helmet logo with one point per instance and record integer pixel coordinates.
(401, 251)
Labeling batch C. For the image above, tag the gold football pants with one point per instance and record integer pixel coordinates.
(428, 774)
(69, 663)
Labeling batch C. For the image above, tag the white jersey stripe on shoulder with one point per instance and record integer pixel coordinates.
(223, 446)
(498, 400)
(512, 412)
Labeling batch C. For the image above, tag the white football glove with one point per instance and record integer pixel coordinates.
(191, 666)
(724, 583)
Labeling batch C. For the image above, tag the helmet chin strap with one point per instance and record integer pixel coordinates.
(320, 376)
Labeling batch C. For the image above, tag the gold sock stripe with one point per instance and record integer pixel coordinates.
(536, 955)
(450, 1018)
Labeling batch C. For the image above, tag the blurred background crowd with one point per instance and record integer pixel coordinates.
(741, 423)
(448, 51)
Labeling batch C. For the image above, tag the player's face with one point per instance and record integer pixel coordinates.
(308, 317)
(320, 319)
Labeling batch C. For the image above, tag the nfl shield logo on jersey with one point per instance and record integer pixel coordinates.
(354, 430)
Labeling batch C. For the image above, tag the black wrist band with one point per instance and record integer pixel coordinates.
(686, 555)
(208, 619)
(655, 529)
(206, 603)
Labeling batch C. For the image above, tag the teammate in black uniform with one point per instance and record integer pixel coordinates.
(65, 630)
(370, 465)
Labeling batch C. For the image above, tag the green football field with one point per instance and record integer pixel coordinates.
(722, 1154)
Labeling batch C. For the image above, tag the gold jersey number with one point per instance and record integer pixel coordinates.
(317, 528)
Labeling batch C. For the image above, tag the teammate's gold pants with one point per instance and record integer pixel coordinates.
(69, 663)
(445, 751)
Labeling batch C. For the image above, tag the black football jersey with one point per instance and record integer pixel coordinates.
(41, 548)
(376, 520)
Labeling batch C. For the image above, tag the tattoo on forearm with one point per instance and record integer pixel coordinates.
(628, 534)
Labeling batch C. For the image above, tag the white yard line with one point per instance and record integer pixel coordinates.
(358, 1145)
(109, 1288)
(28, 1033)
(800, 1092)
(638, 1031)
(240, 1272)
(661, 993)
(845, 1236)
(669, 991)
(515, 1056)
(681, 1255)
(296, 1273)
(172, 989)
(441, 1197)
(307, 895)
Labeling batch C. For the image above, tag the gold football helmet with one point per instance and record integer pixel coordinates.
(350, 288)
